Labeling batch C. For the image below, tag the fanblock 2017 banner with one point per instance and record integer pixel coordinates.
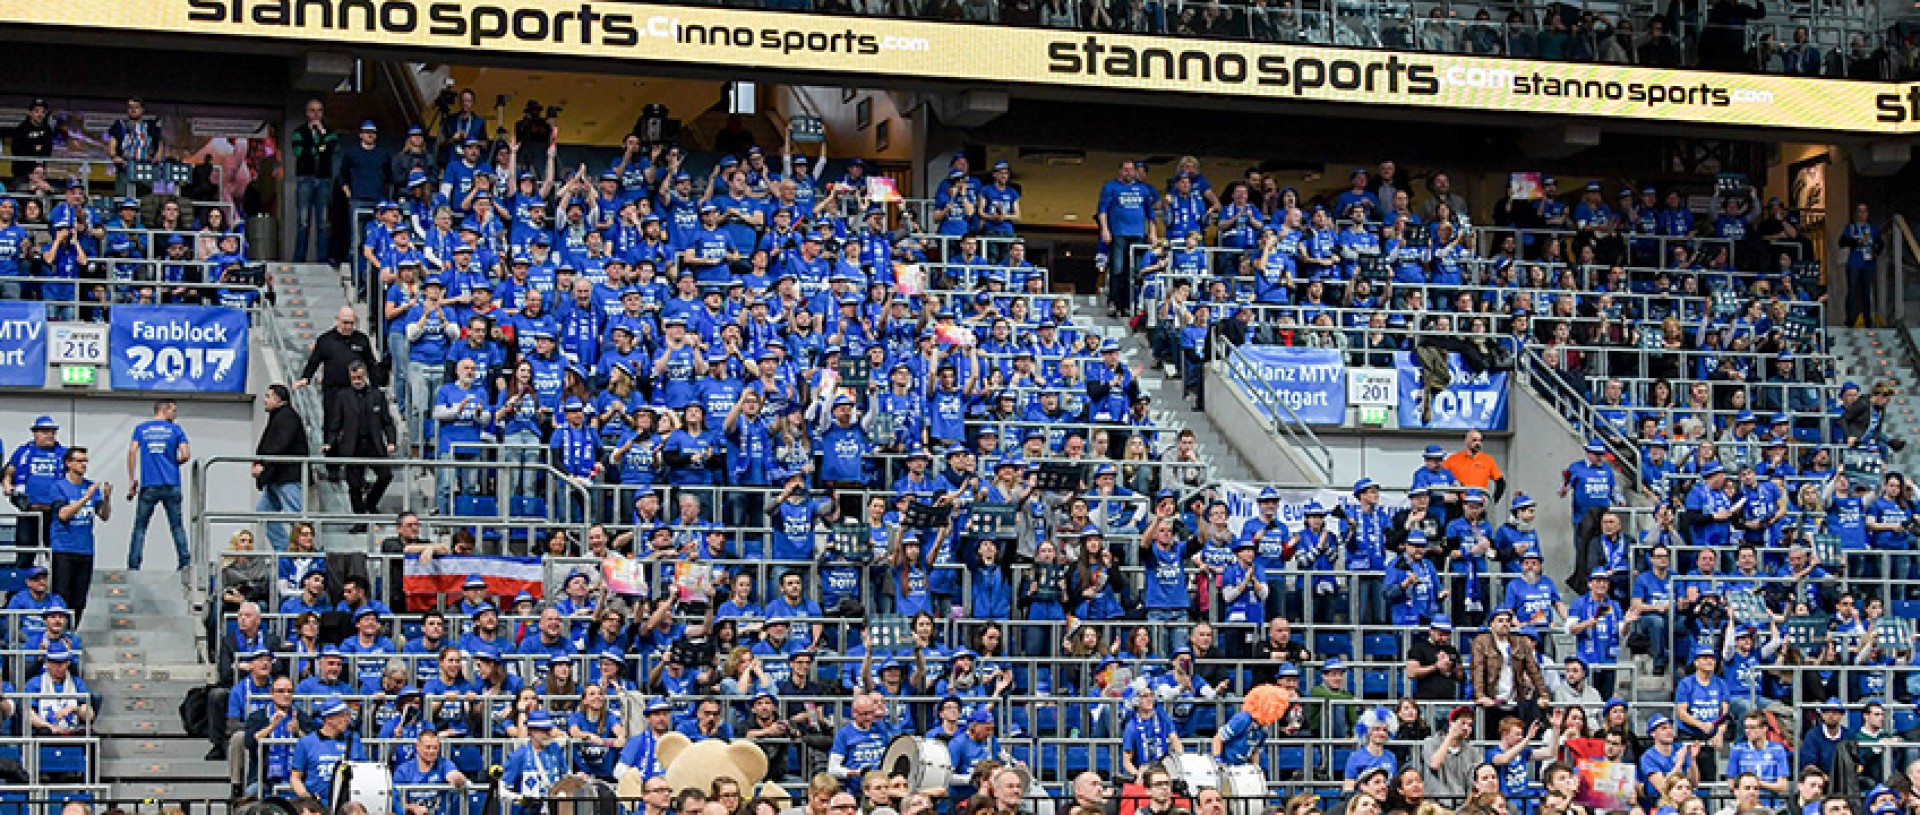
(179, 348)
(1472, 400)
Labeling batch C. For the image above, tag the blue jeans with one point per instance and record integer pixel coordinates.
(423, 381)
(1370, 599)
(1175, 635)
(1656, 627)
(467, 479)
(168, 496)
(523, 448)
(281, 497)
(311, 200)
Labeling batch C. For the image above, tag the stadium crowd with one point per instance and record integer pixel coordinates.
(79, 252)
(881, 482)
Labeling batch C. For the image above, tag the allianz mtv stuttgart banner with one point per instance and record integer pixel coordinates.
(1311, 381)
(23, 345)
(179, 348)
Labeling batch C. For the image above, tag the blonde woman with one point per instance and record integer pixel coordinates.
(244, 575)
(742, 675)
(294, 570)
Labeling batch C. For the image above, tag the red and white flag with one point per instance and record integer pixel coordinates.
(429, 581)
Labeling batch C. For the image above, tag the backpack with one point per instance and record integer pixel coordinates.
(193, 711)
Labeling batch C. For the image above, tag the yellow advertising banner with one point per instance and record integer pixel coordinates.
(752, 39)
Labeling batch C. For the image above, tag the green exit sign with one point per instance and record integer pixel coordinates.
(77, 376)
(1373, 414)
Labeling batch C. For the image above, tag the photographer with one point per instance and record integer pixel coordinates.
(533, 133)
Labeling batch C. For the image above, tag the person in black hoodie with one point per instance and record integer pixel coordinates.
(279, 482)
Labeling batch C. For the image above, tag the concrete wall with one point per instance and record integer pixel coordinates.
(1391, 456)
(1246, 430)
(1535, 466)
(103, 423)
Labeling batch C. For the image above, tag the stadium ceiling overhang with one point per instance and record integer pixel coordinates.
(708, 38)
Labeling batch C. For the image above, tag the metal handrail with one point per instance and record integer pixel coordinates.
(1575, 408)
(1284, 422)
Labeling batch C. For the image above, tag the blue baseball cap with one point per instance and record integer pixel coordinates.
(658, 705)
(1440, 624)
(1363, 485)
(45, 423)
(1658, 721)
(1434, 451)
(1713, 468)
(1522, 501)
(1595, 447)
(1332, 664)
(1267, 494)
(1287, 669)
(368, 125)
(539, 720)
(333, 706)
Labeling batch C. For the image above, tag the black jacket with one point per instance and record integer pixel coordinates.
(1858, 417)
(29, 139)
(360, 424)
(333, 352)
(286, 435)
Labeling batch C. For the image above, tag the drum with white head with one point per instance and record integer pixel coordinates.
(367, 783)
(1245, 788)
(1191, 772)
(925, 762)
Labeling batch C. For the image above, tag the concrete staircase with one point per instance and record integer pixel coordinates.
(143, 656)
(1869, 355)
(307, 297)
(1170, 406)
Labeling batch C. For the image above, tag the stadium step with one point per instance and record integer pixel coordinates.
(1169, 401)
(321, 291)
(162, 770)
(143, 658)
(1869, 355)
(153, 748)
(215, 791)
